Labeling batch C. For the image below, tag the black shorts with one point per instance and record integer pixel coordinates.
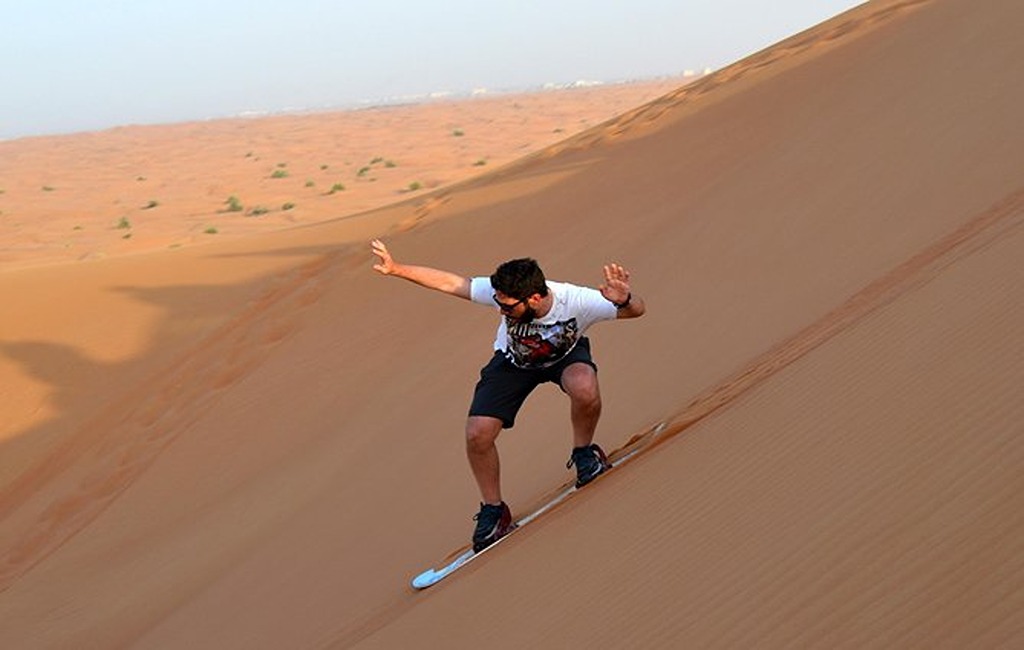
(503, 387)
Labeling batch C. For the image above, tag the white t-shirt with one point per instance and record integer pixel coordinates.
(544, 341)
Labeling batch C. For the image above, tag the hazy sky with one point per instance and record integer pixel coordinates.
(73, 65)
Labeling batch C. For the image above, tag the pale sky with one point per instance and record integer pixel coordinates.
(79, 65)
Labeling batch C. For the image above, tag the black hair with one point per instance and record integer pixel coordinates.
(520, 279)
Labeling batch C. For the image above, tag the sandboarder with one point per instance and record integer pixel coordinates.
(540, 339)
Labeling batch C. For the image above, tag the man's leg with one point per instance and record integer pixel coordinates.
(579, 381)
(481, 432)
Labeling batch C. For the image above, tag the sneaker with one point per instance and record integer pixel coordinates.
(492, 523)
(590, 462)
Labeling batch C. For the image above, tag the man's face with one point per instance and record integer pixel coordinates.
(520, 310)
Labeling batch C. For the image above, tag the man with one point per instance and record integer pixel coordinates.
(540, 339)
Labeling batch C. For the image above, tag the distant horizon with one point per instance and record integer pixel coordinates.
(389, 102)
(120, 63)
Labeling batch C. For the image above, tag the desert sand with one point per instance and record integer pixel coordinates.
(257, 441)
(135, 189)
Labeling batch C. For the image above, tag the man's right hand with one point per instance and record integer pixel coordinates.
(424, 276)
(386, 265)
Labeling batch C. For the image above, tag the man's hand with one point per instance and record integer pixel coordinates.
(436, 279)
(386, 265)
(616, 283)
(616, 289)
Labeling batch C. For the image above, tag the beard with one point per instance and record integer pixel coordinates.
(529, 314)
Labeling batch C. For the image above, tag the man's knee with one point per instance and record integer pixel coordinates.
(481, 432)
(579, 381)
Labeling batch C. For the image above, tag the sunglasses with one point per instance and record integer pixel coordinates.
(507, 307)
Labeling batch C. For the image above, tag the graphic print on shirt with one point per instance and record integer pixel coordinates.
(534, 345)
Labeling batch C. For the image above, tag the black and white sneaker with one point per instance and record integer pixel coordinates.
(492, 523)
(590, 462)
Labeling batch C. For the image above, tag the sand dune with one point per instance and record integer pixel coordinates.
(143, 188)
(255, 443)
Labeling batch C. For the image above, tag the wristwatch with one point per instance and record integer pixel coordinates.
(623, 305)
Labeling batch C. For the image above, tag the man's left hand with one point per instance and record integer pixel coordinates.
(616, 284)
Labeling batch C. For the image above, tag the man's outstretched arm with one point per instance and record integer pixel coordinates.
(424, 276)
